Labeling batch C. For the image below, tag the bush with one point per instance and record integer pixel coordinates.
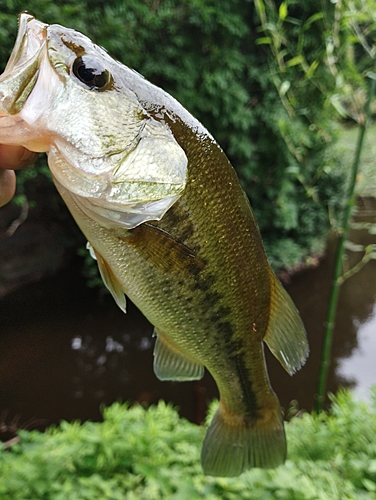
(153, 454)
(256, 74)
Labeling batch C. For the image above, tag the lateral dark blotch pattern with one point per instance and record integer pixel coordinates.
(234, 349)
(211, 299)
(223, 311)
(184, 229)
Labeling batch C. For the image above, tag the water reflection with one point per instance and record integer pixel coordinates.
(357, 299)
(358, 295)
(67, 351)
(94, 359)
(360, 367)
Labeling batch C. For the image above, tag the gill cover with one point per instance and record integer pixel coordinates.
(64, 95)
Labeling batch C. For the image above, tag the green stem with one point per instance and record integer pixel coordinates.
(369, 254)
(336, 283)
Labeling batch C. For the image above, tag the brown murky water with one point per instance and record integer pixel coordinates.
(66, 350)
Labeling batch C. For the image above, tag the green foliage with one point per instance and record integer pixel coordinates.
(153, 454)
(366, 182)
(354, 56)
(264, 77)
(341, 442)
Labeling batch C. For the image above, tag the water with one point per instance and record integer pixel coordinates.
(359, 295)
(360, 367)
(67, 350)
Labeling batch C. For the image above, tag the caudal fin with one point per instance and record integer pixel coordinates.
(233, 445)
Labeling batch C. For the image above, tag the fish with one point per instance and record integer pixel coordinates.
(169, 225)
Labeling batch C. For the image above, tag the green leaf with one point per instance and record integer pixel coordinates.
(312, 69)
(315, 17)
(368, 484)
(295, 61)
(265, 40)
(283, 11)
(372, 466)
(284, 87)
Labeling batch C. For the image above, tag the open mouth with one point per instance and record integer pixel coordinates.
(21, 72)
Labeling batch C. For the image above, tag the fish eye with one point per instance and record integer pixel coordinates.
(91, 72)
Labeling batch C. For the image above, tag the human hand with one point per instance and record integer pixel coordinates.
(12, 158)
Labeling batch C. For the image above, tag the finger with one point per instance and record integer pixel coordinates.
(7, 186)
(16, 157)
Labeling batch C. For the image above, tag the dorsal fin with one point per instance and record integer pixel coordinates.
(285, 336)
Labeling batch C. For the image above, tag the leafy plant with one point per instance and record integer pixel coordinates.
(153, 454)
(252, 75)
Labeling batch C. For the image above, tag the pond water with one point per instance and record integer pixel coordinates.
(67, 350)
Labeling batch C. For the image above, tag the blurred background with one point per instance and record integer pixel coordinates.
(282, 87)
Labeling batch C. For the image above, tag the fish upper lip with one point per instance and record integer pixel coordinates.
(31, 37)
(21, 71)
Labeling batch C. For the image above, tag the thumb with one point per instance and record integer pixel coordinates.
(7, 186)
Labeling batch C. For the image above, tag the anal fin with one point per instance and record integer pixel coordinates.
(108, 278)
(170, 364)
(286, 336)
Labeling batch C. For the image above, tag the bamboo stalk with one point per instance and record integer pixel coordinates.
(336, 281)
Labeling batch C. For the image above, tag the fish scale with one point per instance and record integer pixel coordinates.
(169, 224)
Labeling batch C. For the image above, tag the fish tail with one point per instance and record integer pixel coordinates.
(235, 443)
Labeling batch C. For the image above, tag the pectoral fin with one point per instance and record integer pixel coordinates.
(108, 278)
(170, 364)
(163, 250)
(285, 337)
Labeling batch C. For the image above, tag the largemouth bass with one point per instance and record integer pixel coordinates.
(169, 225)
